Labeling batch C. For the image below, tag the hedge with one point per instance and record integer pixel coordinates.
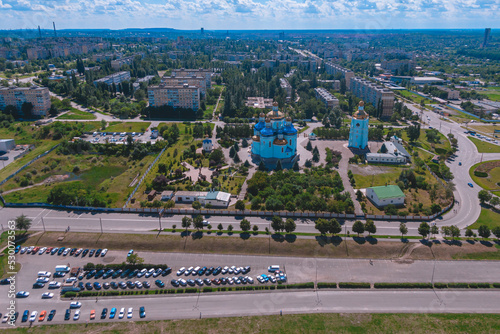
(441, 285)
(458, 285)
(496, 285)
(402, 285)
(323, 285)
(480, 174)
(354, 285)
(479, 285)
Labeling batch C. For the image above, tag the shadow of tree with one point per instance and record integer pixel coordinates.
(486, 243)
(278, 237)
(197, 235)
(371, 240)
(359, 240)
(245, 235)
(290, 238)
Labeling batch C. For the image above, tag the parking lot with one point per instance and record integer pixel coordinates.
(118, 137)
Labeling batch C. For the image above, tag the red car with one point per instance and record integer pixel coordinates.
(49, 250)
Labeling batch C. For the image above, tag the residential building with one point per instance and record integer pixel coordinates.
(391, 152)
(194, 80)
(326, 97)
(397, 65)
(274, 138)
(183, 96)
(167, 195)
(38, 96)
(287, 87)
(118, 63)
(183, 72)
(453, 94)
(259, 102)
(335, 83)
(427, 81)
(358, 133)
(338, 70)
(375, 94)
(385, 195)
(114, 78)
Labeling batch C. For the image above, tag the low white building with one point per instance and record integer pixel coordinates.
(7, 144)
(385, 195)
(207, 145)
(167, 195)
(216, 199)
(391, 152)
(189, 196)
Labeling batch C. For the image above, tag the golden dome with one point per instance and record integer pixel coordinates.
(360, 114)
(361, 104)
(262, 115)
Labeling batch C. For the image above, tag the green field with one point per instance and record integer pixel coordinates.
(491, 181)
(484, 147)
(422, 142)
(492, 93)
(379, 179)
(488, 218)
(292, 323)
(77, 114)
(415, 98)
(128, 126)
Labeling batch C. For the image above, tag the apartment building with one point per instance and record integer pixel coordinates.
(181, 96)
(194, 80)
(453, 94)
(326, 97)
(373, 93)
(287, 87)
(16, 96)
(396, 65)
(114, 78)
(259, 102)
(184, 72)
(335, 69)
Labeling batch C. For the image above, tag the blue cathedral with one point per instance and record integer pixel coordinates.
(274, 139)
(358, 133)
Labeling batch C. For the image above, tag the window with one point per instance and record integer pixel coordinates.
(269, 144)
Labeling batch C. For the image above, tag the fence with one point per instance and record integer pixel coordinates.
(27, 164)
(144, 175)
(470, 114)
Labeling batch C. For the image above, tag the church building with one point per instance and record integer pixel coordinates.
(358, 134)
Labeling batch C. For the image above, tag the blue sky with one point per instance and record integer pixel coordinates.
(250, 14)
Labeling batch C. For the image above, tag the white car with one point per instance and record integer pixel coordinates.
(188, 271)
(66, 251)
(122, 313)
(42, 280)
(42, 250)
(224, 270)
(33, 316)
(47, 295)
(205, 223)
(5, 318)
(54, 285)
(75, 305)
(138, 284)
(181, 271)
(129, 314)
(104, 252)
(230, 280)
(70, 279)
(77, 315)
(44, 274)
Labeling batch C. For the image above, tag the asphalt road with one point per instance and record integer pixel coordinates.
(269, 303)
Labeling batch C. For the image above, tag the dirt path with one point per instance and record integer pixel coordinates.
(54, 178)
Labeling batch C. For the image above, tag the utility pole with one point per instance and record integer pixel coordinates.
(43, 223)
(100, 221)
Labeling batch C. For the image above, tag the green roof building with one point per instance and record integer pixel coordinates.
(385, 195)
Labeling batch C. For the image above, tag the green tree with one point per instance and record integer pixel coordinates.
(220, 227)
(196, 205)
(230, 228)
(358, 227)
(240, 205)
(278, 166)
(483, 231)
(496, 231)
(403, 229)
(245, 225)
(296, 166)
(198, 222)
(335, 227)
(454, 231)
(186, 222)
(494, 201)
(370, 227)
(134, 259)
(413, 132)
(255, 228)
(434, 229)
(424, 229)
(484, 196)
(277, 224)
(103, 124)
(290, 225)
(309, 146)
(469, 233)
(322, 225)
(23, 223)
(262, 166)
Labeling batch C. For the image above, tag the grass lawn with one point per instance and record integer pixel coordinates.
(77, 114)
(491, 181)
(484, 147)
(422, 142)
(204, 244)
(487, 217)
(415, 97)
(378, 179)
(293, 323)
(128, 126)
(492, 93)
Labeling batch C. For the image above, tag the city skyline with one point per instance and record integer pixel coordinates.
(249, 14)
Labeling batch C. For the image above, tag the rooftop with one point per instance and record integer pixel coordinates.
(388, 191)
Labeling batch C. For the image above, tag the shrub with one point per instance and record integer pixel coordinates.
(441, 285)
(496, 285)
(480, 174)
(324, 285)
(458, 285)
(354, 285)
(402, 285)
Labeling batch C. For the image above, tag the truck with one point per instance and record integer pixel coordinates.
(62, 268)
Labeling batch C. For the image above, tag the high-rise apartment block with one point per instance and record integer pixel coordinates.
(377, 95)
(182, 96)
(326, 97)
(38, 96)
(183, 72)
(335, 69)
(198, 81)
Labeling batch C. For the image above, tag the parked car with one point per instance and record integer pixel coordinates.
(91, 253)
(181, 271)
(5, 281)
(142, 312)
(85, 252)
(173, 282)
(104, 252)
(470, 185)
(42, 280)
(42, 315)
(104, 313)
(25, 316)
(61, 250)
(59, 274)
(22, 294)
(98, 252)
(47, 295)
(160, 284)
(75, 305)
(77, 315)
(33, 316)
(51, 315)
(44, 274)
(54, 285)
(167, 271)
(67, 314)
(122, 313)
(129, 313)
(130, 252)
(38, 285)
(92, 314)
(112, 313)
